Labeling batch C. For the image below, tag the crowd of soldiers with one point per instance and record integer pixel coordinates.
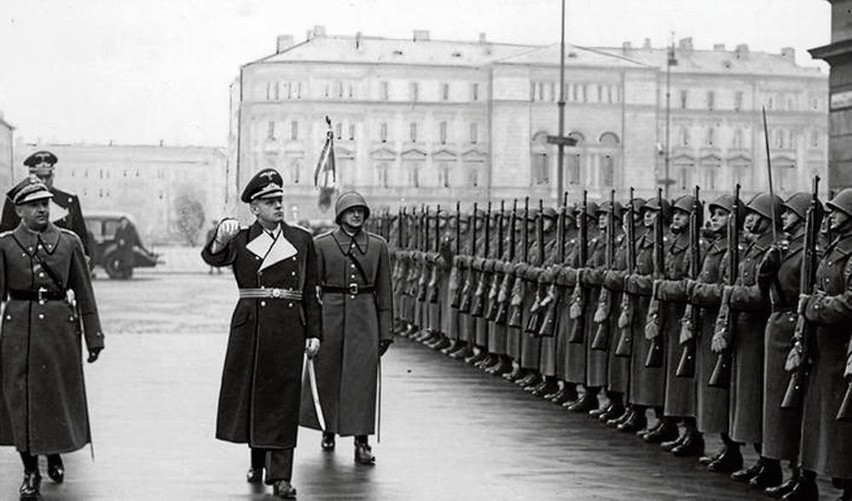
(653, 321)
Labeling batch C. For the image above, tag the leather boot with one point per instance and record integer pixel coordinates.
(692, 445)
(453, 346)
(746, 474)
(730, 460)
(545, 388)
(364, 454)
(327, 443)
(805, 490)
(476, 357)
(613, 411)
(55, 468)
(779, 491)
(462, 352)
(668, 445)
(566, 396)
(770, 475)
(634, 422)
(614, 422)
(515, 374)
(533, 387)
(500, 368)
(531, 378)
(490, 361)
(441, 344)
(705, 460)
(30, 487)
(559, 390)
(283, 489)
(584, 404)
(666, 431)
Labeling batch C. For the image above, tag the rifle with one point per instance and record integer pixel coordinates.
(795, 394)
(601, 340)
(554, 294)
(655, 350)
(496, 273)
(425, 268)
(471, 277)
(432, 288)
(515, 316)
(478, 300)
(689, 322)
(577, 302)
(506, 286)
(721, 375)
(455, 300)
(625, 318)
(534, 322)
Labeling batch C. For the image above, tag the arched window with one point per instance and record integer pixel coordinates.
(540, 168)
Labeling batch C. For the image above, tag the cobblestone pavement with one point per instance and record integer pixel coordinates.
(448, 431)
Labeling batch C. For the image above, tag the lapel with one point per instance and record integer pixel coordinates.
(270, 249)
(344, 241)
(29, 241)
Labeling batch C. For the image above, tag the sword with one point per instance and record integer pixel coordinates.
(312, 379)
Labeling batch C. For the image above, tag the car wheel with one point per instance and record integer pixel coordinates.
(111, 266)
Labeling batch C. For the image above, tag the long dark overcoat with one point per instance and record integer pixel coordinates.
(618, 372)
(711, 402)
(597, 361)
(826, 442)
(261, 381)
(781, 427)
(65, 213)
(353, 324)
(43, 406)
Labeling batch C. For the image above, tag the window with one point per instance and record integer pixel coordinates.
(540, 91)
(338, 130)
(414, 175)
(684, 136)
(443, 132)
(351, 132)
(553, 91)
(540, 169)
(779, 138)
(792, 140)
(414, 91)
(709, 178)
(711, 136)
(351, 90)
(600, 93)
(475, 92)
(473, 176)
(738, 101)
(338, 89)
(574, 88)
(383, 132)
(382, 175)
(739, 173)
(445, 92)
(444, 175)
(573, 167)
(474, 133)
(607, 170)
(294, 130)
(770, 103)
(585, 96)
(412, 132)
(814, 103)
(270, 130)
(299, 90)
(738, 138)
(385, 91)
(275, 91)
(684, 95)
(327, 88)
(295, 171)
(711, 100)
(814, 139)
(289, 87)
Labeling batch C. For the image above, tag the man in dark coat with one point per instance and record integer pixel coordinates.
(126, 239)
(357, 308)
(65, 207)
(42, 396)
(826, 441)
(276, 320)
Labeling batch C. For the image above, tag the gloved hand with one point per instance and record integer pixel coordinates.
(384, 344)
(94, 353)
(312, 346)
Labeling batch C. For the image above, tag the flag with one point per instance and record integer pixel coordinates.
(325, 175)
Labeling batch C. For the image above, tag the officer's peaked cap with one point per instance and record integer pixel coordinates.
(31, 191)
(39, 157)
(265, 184)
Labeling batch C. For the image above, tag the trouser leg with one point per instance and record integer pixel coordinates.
(258, 458)
(279, 465)
(30, 461)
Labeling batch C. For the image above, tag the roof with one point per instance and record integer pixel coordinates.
(575, 55)
(374, 50)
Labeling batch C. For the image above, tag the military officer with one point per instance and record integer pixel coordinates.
(276, 320)
(45, 281)
(65, 207)
(354, 276)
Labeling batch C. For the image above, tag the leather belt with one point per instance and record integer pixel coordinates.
(270, 293)
(353, 289)
(40, 295)
(779, 308)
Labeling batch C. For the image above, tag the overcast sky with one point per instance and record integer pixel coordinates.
(140, 71)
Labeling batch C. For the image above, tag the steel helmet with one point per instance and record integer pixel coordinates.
(799, 203)
(347, 201)
(764, 205)
(726, 203)
(842, 201)
(664, 208)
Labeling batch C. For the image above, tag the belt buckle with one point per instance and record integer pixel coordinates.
(276, 293)
(353, 289)
(41, 292)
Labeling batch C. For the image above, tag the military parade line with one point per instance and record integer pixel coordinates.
(739, 326)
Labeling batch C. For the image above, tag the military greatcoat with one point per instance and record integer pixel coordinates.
(826, 442)
(43, 406)
(261, 381)
(357, 307)
(65, 213)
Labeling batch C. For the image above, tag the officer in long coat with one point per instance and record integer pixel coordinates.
(357, 304)
(43, 273)
(65, 207)
(276, 320)
(826, 441)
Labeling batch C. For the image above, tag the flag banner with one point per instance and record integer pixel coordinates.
(325, 175)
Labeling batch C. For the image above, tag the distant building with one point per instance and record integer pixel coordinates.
(839, 55)
(6, 153)
(428, 121)
(148, 182)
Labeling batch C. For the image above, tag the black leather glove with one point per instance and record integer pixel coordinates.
(384, 344)
(94, 353)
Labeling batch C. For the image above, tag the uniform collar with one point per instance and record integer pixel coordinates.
(30, 241)
(345, 241)
(271, 247)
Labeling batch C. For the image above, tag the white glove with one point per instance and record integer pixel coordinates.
(312, 346)
(226, 231)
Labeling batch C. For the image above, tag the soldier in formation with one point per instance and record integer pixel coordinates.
(644, 317)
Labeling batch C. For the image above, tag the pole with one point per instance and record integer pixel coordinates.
(667, 158)
(560, 149)
(769, 176)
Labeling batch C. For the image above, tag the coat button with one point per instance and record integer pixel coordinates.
(41, 316)
(289, 305)
(293, 273)
(41, 275)
(8, 317)
(263, 303)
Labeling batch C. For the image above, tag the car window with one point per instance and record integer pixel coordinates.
(109, 229)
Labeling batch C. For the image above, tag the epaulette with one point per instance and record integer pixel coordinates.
(377, 237)
(6, 233)
(325, 234)
(67, 232)
(294, 225)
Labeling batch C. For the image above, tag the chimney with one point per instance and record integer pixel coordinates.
(719, 47)
(647, 44)
(482, 38)
(685, 46)
(284, 43)
(789, 54)
(421, 35)
(358, 41)
(626, 48)
(742, 51)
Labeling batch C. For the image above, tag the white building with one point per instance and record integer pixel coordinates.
(6, 152)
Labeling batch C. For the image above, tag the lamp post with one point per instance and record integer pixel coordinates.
(561, 141)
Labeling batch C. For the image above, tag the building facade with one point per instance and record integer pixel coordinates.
(6, 151)
(151, 183)
(423, 121)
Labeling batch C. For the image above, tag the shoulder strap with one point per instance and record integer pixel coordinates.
(47, 269)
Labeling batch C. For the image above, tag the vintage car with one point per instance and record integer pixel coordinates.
(101, 226)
